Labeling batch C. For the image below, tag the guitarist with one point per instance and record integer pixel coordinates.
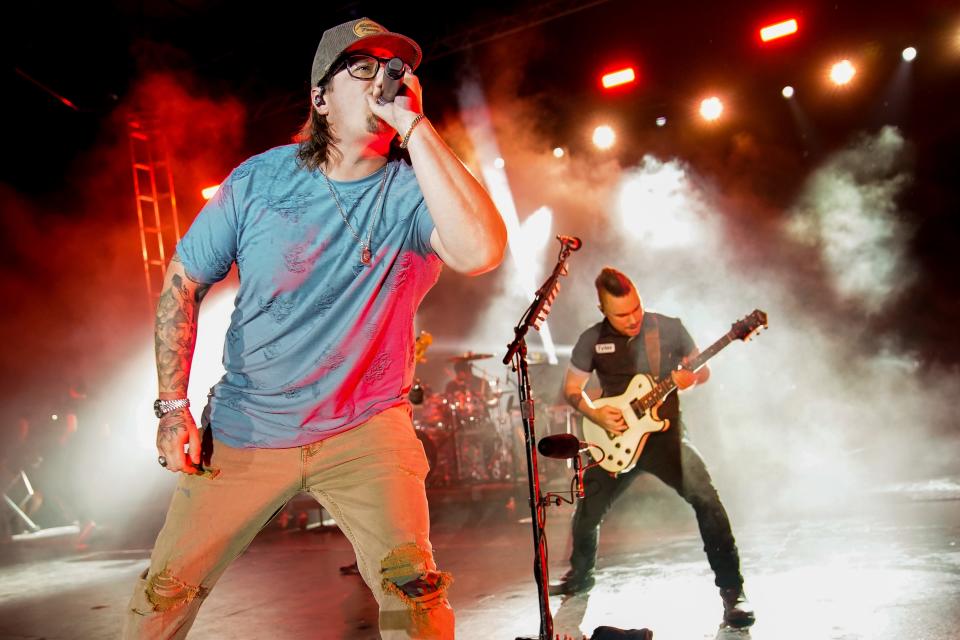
(626, 343)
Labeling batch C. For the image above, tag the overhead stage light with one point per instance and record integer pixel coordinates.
(661, 121)
(842, 72)
(604, 137)
(209, 192)
(787, 92)
(618, 78)
(498, 163)
(711, 108)
(558, 152)
(778, 30)
(909, 54)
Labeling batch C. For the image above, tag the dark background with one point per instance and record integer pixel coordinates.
(232, 81)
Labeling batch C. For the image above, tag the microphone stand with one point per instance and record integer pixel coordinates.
(517, 352)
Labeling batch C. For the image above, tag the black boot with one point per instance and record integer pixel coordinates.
(613, 633)
(572, 583)
(737, 611)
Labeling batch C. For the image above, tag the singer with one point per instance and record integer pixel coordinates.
(627, 342)
(337, 239)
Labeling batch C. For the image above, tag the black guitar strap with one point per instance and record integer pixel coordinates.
(651, 340)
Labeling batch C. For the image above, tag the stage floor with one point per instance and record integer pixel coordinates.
(888, 568)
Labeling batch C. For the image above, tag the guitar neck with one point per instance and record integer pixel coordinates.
(665, 386)
(710, 351)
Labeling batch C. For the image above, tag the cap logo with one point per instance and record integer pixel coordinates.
(366, 28)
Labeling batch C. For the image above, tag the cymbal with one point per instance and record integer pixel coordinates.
(470, 355)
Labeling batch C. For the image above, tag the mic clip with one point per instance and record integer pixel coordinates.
(578, 471)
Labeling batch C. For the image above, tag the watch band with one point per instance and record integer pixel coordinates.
(163, 407)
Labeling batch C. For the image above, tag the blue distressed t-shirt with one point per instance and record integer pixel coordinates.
(318, 342)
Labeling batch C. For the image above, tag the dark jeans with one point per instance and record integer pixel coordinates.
(678, 464)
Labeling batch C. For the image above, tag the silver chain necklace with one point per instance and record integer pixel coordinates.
(366, 255)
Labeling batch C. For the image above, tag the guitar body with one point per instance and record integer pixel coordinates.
(620, 453)
(642, 398)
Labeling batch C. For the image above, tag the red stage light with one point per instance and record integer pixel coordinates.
(209, 192)
(779, 30)
(618, 78)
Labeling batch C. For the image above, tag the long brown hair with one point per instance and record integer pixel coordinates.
(315, 141)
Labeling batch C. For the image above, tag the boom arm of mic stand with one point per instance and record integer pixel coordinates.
(536, 307)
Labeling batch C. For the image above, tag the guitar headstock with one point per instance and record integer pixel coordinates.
(423, 341)
(744, 328)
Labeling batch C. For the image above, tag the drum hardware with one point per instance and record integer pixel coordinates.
(469, 356)
(463, 440)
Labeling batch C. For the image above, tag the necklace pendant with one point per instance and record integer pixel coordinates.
(366, 256)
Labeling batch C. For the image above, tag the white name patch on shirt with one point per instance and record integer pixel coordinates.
(606, 347)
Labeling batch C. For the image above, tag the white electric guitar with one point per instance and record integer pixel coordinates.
(644, 395)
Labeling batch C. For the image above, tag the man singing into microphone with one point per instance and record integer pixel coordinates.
(627, 342)
(336, 239)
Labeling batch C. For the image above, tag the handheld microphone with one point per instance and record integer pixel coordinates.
(392, 79)
(573, 242)
(561, 446)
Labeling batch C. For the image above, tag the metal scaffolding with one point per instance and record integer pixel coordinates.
(155, 199)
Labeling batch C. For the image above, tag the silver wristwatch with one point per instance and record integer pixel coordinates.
(163, 407)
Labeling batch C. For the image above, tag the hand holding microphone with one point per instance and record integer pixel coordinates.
(392, 80)
(399, 100)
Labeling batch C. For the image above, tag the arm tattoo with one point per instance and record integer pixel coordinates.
(573, 399)
(170, 429)
(176, 333)
(202, 287)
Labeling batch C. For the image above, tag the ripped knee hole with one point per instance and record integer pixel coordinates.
(406, 574)
(165, 591)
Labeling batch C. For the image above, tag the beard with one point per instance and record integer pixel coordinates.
(375, 124)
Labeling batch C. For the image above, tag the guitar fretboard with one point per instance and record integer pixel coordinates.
(664, 387)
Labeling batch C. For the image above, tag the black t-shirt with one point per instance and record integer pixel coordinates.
(617, 358)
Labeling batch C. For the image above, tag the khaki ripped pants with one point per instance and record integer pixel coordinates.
(371, 479)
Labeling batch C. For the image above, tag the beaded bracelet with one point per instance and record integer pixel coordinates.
(413, 125)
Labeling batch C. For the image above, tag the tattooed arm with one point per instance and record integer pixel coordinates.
(175, 337)
(608, 417)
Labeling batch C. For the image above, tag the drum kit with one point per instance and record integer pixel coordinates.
(466, 434)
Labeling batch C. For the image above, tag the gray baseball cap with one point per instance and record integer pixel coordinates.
(365, 34)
